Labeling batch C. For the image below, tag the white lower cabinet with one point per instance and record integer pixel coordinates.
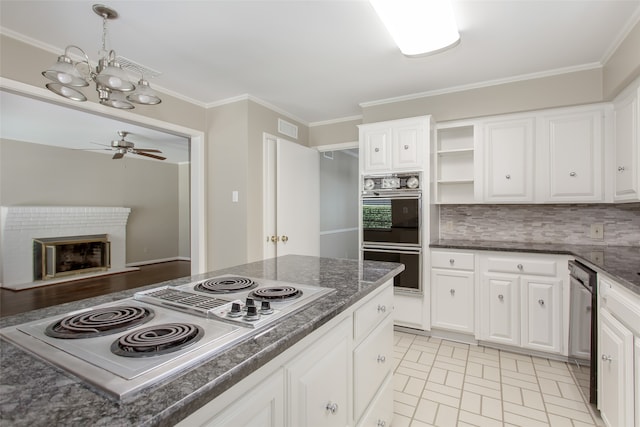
(522, 301)
(616, 368)
(618, 354)
(319, 381)
(452, 300)
(500, 309)
(339, 375)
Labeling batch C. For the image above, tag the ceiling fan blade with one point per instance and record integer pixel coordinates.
(118, 155)
(153, 156)
(148, 150)
(104, 145)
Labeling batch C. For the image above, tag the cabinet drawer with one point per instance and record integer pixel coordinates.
(367, 317)
(457, 260)
(380, 412)
(523, 266)
(372, 362)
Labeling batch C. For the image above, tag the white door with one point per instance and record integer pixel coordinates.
(541, 327)
(501, 310)
(292, 199)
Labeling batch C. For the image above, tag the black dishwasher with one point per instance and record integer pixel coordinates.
(583, 339)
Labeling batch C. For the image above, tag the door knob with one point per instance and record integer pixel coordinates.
(332, 407)
(541, 302)
(285, 239)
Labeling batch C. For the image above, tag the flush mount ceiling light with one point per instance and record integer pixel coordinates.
(112, 81)
(419, 27)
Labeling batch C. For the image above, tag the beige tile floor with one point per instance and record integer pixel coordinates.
(445, 383)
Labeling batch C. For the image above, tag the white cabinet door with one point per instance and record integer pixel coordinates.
(452, 300)
(380, 413)
(263, 406)
(571, 162)
(627, 142)
(376, 149)
(615, 365)
(407, 147)
(637, 380)
(319, 381)
(501, 309)
(541, 323)
(508, 160)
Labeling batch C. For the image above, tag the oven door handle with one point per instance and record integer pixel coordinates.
(395, 196)
(393, 250)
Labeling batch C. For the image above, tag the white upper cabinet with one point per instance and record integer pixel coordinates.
(508, 160)
(570, 148)
(626, 118)
(396, 145)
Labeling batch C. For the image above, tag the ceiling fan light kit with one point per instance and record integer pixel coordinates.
(112, 82)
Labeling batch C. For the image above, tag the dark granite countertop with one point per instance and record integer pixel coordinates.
(34, 393)
(620, 262)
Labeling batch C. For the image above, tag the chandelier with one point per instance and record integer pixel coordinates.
(112, 81)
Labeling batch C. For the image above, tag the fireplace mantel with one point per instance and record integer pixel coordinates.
(21, 224)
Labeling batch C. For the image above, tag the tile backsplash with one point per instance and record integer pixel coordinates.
(542, 223)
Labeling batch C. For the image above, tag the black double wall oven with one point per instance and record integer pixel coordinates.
(392, 225)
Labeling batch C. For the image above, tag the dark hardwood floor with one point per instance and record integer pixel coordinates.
(15, 302)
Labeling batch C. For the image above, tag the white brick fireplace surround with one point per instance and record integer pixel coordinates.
(21, 224)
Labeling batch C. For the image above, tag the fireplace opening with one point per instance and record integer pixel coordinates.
(65, 256)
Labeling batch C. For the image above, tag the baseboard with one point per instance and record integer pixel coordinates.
(158, 261)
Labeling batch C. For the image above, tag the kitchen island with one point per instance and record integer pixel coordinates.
(35, 393)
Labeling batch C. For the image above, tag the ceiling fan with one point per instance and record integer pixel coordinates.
(122, 147)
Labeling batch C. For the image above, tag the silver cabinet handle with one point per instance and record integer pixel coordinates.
(508, 176)
(607, 358)
(376, 150)
(572, 174)
(406, 147)
(452, 291)
(381, 423)
(541, 302)
(520, 266)
(620, 168)
(381, 359)
(452, 261)
(501, 297)
(382, 308)
(332, 407)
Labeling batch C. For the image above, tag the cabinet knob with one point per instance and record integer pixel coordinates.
(452, 291)
(452, 261)
(381, 359)
(274, 239)
(572, 174)
(377, 150)
(620, 168)
(406, 147)
(285, 239)
(508, 176)
(501, 297)
(382, 308)
(381, 423)
(332, 407)
(541, 302)
(520, 266)
(606, 358)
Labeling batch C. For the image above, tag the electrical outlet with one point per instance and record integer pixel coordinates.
(448, 226)
(597, 231)
(597, 257)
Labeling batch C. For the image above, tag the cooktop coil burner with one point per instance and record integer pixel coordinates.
(276, 293)
(157, 340)
(99, 322)
(225, 285)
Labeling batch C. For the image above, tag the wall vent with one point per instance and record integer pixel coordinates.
(288, 129)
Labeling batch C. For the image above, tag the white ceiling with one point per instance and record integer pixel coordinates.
(319, 60)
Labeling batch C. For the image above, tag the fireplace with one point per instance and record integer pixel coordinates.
(65, 256)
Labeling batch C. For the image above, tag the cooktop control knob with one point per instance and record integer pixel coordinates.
(252, 313)
(249, 303)
(236, 310)
(265, 308)
(369, 184)
(413, 182)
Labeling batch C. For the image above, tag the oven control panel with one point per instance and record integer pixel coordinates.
(407, 181)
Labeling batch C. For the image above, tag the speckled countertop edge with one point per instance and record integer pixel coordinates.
(34, 393)
(622, 263)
